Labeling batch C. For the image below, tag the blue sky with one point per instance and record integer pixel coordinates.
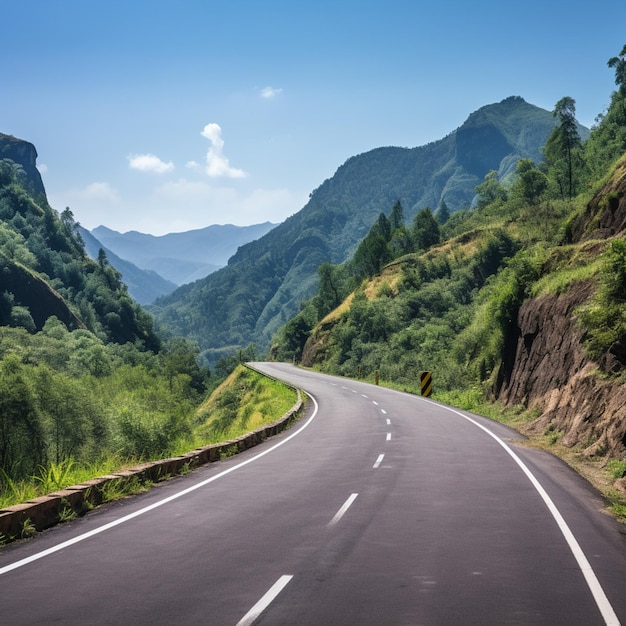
(164, 116)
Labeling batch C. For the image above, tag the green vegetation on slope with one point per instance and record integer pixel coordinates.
(66, 394)
(83, 374)
(144, 420)
(265, 281)
(245, 401)
(449, 303)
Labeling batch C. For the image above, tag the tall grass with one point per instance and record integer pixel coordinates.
(246, 401)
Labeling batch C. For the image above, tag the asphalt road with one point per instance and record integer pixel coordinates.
(377, 507)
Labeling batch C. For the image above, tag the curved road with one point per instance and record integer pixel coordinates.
(377, 507)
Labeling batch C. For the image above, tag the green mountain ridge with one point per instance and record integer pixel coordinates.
(265, 281)
(45, 270)
(85, 380)
(520, 301)
(145, 286)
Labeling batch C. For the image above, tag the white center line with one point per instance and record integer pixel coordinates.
(341, 512)
(251, 616)
(363, 395)
(388, 421)
(383, 411)
(388, 436)
(379, 460)
(374, 402)
(154, 505)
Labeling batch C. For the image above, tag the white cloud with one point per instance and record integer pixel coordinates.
(149, 163)
(97, 191)
(217, 165)
(270, 92)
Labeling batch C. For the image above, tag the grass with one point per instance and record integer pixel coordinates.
(117, 489)
(246, 401)
(55, 476)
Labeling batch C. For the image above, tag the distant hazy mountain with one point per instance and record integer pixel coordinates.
(181, 257)
(145, 286)
(264, 283)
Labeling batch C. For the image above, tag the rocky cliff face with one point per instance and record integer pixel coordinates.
(23, 153)
(549, 370)
(546, 366)
(31, 291)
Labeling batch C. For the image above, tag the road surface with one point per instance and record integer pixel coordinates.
(377, 507)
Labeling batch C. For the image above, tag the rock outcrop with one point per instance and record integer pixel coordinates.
(31, 291)
(23, 153)
(550, 371)
(546, 366)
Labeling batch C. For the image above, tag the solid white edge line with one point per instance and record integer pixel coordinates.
(379, 460)
(344, 507)
(251, 616)
(602, 602)
(155, 505)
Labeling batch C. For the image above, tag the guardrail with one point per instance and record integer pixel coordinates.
(46, 511)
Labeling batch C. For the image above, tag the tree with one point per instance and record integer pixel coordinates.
(563, 148)
(180, 356)
(396, 218)
(425, 230)
(102, 258)
(71, 227)
(530, 184)
(373, 252)
(383, 227)
(490, 190)
(328, 293)
(6, 172)
(443, 212)
(22, 443)
(619, 63)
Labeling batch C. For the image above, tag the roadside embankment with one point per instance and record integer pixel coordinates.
(21, 520)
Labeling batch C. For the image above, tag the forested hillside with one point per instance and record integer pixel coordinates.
(522, 299)
(264, 283)
(145, 286)
(84, 377)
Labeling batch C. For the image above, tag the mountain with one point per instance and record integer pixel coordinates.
(510, 303)
(44, 270)
(84, 377)
(265, 281)
(181, 257)
(145, 286)
(24, 155)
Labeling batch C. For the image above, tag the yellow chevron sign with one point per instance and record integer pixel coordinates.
(426, 380)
